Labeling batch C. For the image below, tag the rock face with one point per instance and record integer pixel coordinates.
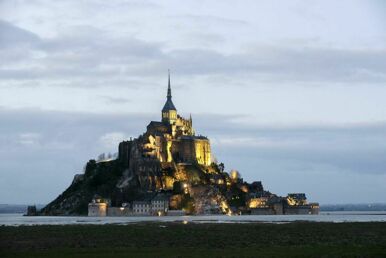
(170, 158)
(99, 178)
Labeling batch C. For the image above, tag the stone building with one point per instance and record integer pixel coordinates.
(124, 149)
(293, 204)
(159, 205)
(174, 139)
(97, 208)
(315, 208)
(142, 208)
(167, 145)
(296, 199)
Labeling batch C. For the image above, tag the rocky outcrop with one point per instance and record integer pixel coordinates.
(99, 179)
(169, 157)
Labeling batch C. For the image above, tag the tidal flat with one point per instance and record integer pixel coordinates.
(172, 239)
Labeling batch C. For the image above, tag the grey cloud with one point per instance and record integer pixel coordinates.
(115, 100)
(11, 35)
(204, 20)
(123, 6)
(231, 122)
(91, 55)
(287, 64)
(350, 148)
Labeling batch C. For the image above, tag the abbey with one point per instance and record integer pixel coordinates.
(174, 139)
(167, 145)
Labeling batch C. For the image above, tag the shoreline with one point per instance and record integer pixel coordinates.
(328, 217)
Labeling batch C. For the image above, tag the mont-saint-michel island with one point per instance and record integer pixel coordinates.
(266, 138)
(169, 171)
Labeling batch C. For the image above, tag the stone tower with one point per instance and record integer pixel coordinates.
(169, 111)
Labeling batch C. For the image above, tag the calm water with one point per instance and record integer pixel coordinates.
(19, 219)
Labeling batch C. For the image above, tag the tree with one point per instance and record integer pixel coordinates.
(178, 187)
(188, 204)
(221, 166)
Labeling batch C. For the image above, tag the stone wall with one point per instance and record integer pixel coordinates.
(119, 211)
(203, 153)
(297, 210)
(124, 150)
(191, 149)
(262, 211)
(97, 209)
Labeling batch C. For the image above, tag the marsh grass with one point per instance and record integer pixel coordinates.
(299, 239)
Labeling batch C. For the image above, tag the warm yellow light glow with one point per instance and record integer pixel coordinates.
(168, 149)
(168, 182)
(203, 153)
(244, 188)
(257, 202)
(234, 175)
(225, 208)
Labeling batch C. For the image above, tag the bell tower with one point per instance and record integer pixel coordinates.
(169, 111)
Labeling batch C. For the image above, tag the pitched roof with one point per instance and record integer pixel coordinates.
(168, 105)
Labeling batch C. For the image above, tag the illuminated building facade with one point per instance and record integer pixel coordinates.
(174, 140)
(97, 208)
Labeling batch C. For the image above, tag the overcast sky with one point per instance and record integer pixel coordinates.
(292, 93)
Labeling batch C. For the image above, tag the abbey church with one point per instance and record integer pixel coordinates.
(167, 144)
(174, 139)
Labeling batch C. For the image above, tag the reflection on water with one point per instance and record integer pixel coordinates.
(371, 216)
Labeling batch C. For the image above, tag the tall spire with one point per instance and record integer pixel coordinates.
(169, 103)
(169, 88)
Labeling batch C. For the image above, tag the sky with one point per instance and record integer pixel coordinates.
(291, 93)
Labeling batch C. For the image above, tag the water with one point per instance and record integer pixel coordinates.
(19, 219)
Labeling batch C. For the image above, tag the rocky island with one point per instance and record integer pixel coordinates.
(169, 170)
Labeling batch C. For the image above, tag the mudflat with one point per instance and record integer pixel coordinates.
(297, 239)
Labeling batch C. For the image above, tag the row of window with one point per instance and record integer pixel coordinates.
(148, 207)
(143, 205)
(144, 210)
(172, 115)
(141, 210)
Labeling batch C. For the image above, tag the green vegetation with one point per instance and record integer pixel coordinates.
(301, 239)
(99, 178)
(187, 203)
